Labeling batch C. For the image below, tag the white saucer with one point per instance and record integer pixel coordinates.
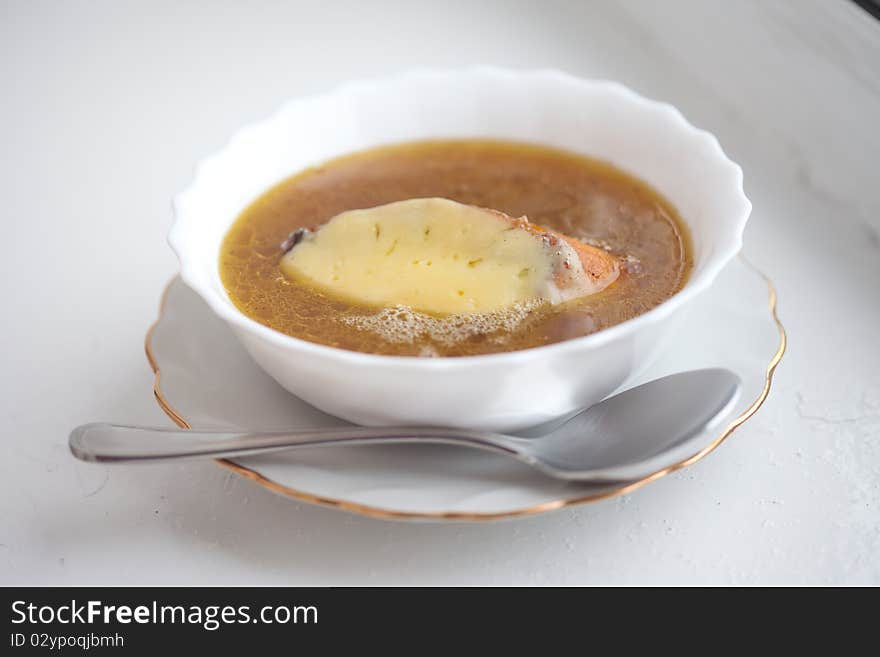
(208, 381)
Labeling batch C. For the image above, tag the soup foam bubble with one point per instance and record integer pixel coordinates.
(402, 324)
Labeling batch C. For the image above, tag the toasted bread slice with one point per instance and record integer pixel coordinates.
(601, 267)
(443, 257)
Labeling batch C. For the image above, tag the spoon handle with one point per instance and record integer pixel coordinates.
(113, 443)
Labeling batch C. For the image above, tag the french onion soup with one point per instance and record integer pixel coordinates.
(454, 248)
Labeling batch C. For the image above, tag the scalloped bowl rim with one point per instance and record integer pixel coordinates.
(698, 282)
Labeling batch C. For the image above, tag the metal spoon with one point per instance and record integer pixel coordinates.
(608, 442)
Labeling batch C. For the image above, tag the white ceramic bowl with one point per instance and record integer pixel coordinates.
(505, 391)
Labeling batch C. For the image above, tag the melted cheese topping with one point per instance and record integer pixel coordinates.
(440, 257)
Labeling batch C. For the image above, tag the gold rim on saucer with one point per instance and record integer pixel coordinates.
(379, 512)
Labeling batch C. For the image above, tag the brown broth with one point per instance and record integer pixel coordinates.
(575, 195)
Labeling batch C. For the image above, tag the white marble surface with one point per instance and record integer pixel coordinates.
(106, 106)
